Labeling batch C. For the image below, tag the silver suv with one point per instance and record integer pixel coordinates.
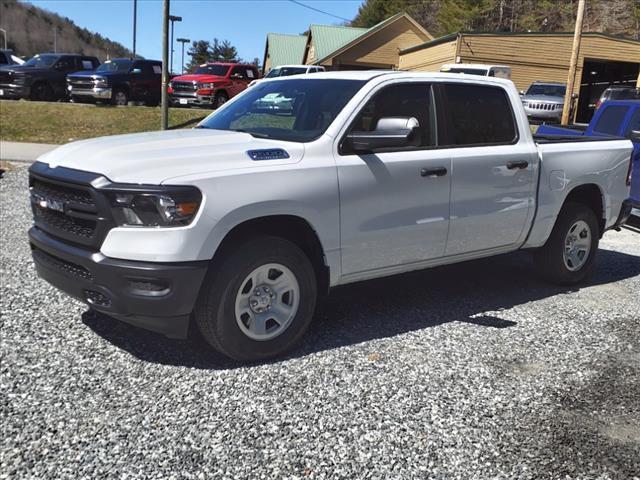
(543, 101)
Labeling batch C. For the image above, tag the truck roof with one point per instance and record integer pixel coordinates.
(367, 75)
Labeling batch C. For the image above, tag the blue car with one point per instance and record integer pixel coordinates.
(619, 118)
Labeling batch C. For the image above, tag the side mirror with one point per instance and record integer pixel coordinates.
(136, 70)
(521, 92)
(389, 132)
(634, 136)
(237, 76)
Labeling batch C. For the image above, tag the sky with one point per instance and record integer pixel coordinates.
(245, 23)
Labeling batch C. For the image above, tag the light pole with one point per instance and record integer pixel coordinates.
(164, 122)
(135, 19)
(5, 37)
(172, 19)
(183, 41)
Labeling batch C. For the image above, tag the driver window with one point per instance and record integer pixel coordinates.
(66, 64)
(401, 100)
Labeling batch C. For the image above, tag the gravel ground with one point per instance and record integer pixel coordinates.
(476, 370)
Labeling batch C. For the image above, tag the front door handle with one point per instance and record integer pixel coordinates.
(433, 172)
(513, 164)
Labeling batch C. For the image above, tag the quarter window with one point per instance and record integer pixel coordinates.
(401, 100)
(479, 115)
(634, 124)
(611, 119)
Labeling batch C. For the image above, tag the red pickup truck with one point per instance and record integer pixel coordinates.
(211, 84)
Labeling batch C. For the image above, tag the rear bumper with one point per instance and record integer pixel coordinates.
(156, 296)
(625, 213)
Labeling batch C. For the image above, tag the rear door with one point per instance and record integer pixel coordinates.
(634, 125)
(392, 211)
(492, 186)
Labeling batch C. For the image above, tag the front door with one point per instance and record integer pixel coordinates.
(493, 183)
(393, 209)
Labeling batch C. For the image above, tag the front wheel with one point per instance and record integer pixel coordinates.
(120, 98)
(220, 99)
(257, 301)
(567, 257)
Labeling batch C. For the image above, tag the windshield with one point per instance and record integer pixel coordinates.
(286, 72)
(120, 65)
(296, 110)
(547, 90)
(39, 61)
(219, 70)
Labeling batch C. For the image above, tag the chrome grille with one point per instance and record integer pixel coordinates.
(184, 86)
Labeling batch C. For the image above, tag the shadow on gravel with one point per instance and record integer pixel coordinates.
(471, 292)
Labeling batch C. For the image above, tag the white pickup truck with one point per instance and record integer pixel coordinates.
(301, 184)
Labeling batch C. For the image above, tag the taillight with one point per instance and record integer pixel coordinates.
(630, 168)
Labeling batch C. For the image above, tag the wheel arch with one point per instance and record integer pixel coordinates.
(294, 228)
(589, 194)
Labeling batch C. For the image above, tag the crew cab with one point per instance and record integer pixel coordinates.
(242, 223)
(211, 84)
(616, 118)
(118, 81)
(42, 77)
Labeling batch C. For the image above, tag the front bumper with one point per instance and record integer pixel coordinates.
(187, 99)
(156, 296)
(543, 115)
(10, 90)
(96, 93)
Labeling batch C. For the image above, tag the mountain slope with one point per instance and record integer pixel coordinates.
(32, 30)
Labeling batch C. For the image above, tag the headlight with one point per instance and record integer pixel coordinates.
(170, 207)
(100, 81)
(206, 86)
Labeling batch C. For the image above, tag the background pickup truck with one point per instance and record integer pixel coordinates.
(211, 84)
(618, 118)
(118, 81)
(43, 77)
(242, 223)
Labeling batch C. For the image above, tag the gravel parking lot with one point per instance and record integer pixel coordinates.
(477, 370)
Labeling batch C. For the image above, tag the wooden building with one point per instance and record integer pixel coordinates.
(603, 59)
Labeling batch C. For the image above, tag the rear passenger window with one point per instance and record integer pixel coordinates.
(401, 100)
(634, 124)
(479, 115)
(611, 119)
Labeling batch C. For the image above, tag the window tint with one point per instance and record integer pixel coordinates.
(147, 68)
(3, 58)
(479, 115)
(611, 119)
(634, 124)
(401, 100)
(66, 63)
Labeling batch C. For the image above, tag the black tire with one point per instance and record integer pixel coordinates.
(549, 259)
(120, 97)
(220, 99)
(41, 92)
(215, 312)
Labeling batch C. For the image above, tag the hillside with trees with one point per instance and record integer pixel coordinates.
(440, 17)
(32, 30)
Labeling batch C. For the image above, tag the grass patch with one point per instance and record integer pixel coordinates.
(40, 122)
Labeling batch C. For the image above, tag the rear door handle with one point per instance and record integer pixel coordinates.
(433, 172)
(513, 164)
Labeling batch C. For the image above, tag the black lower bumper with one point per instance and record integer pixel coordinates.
(155, 296)
(625, 213)
(14, 92)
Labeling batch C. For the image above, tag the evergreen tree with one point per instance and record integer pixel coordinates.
(200, 52)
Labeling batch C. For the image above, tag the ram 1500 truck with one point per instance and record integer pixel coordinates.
(304, 183)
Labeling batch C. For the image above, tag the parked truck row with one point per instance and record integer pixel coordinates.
(301, 184)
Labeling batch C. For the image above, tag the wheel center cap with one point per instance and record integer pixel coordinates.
(260, 299)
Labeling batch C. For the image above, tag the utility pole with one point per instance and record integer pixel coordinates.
(55, 39)
(172, 19)
(5, 37)
(135, 21)
(165, 65)
(183, 41)
(577, 36)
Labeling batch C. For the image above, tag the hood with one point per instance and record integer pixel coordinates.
(22, 68)
(543, 98)
(155, 157)
(87, 73)
(198, 77)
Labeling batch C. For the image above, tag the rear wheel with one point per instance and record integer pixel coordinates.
(567, 257)
(258, 301)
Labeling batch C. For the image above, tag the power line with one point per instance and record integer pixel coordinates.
(318, 10)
